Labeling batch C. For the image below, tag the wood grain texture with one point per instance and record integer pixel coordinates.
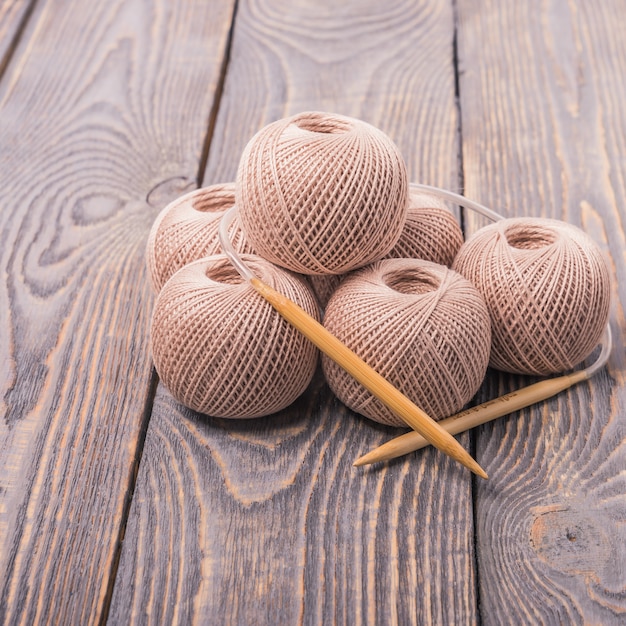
(101, 122)
(391, 66)
(267, 521)
(544, 133)
(13, 17)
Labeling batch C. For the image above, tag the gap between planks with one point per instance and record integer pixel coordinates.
(154, 382)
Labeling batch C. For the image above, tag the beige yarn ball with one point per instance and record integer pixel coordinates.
(187, 230)
(221, 349)
(547, 287)
(420, 325)
(430, 233)
(320, 193)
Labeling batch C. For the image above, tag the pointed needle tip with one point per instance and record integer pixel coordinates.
(481, 473)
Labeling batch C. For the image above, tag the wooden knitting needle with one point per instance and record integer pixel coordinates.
(430, 430)
(343, 356)
(475, 416)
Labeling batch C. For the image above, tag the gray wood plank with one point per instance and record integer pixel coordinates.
(544, 133)
(103, 115)
(267, 521)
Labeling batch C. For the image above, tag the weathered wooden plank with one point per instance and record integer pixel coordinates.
(13, 17)
(266, 521)
(102, 119)
(544, 133)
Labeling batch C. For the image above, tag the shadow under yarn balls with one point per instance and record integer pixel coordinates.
(547, 288)
(187, 230)
(420, 325)
(320, 193)
(223, 350)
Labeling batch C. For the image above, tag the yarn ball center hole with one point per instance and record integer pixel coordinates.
(529, 237)
(214, 204)
(223, 272)
(323, 124)
(411, 282)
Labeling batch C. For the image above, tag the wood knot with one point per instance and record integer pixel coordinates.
(568, 539)
(582, 539)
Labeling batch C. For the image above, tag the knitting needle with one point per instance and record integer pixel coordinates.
(415, 417)
(429, 430)
(490, 410)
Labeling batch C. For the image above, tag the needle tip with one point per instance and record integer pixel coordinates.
(479, 471)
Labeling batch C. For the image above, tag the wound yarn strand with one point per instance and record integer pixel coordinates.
(222, 350)
(320, 193)
(186, 230)
(547, 288)
(422, 326)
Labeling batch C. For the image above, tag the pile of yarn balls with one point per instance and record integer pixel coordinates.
(326, 216)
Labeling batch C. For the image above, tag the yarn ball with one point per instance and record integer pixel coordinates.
(547, 288)
(187, 230)
(430, 233)
(320, 193)
(420, 325)
(221, 349)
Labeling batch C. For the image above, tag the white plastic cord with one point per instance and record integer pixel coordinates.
(457, 199)
(603, 357)
(227, 246)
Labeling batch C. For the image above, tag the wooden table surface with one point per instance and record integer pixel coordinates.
(117, 504)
